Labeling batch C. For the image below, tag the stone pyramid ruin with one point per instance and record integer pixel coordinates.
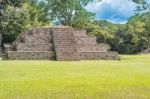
(58, 43)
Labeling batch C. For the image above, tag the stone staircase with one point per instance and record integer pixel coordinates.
(65, 44)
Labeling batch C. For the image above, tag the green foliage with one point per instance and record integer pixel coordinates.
(139, 1)
(69, 12)
(13, 23)
(103, 30)
(133, 38)
(130, 38)
(146, 19)
(15, 20)
(142, 5)
(35, 15)
(12, 2)
(96, 31)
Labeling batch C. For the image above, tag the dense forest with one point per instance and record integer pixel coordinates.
(17, 16)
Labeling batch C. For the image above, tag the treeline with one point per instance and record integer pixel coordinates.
(129, 38)
(17, 16)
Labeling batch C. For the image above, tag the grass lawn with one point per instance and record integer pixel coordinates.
(125, 79)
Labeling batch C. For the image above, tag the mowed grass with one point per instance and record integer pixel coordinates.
(125, 79)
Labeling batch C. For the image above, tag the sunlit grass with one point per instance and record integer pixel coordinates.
(125, 79)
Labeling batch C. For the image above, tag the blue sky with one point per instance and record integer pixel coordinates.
(116, 11)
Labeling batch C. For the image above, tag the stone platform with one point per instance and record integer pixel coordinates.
(58, 43)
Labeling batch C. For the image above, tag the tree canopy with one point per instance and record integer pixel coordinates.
(68, 12)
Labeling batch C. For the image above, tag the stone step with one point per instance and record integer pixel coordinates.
(64, 45)
(71, 49)
(64, 37)
(65, 41)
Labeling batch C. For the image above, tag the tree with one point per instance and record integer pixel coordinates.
(15, 3)
(68, 12)
(133, 38)
(20, 16)
(146, 19)
(142, 5)
(13, 23)
(4, 7)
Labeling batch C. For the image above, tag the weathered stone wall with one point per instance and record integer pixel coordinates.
(43, 31)
(85, 40)
(37, 44)
(79, 33)
(30, 55)
(38, 39)
(88, 43)
(99, 55)
(34, 47)
(93, 48)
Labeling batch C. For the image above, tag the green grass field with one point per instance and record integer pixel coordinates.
(125, 79)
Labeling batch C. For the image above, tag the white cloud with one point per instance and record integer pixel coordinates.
(112, 9)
